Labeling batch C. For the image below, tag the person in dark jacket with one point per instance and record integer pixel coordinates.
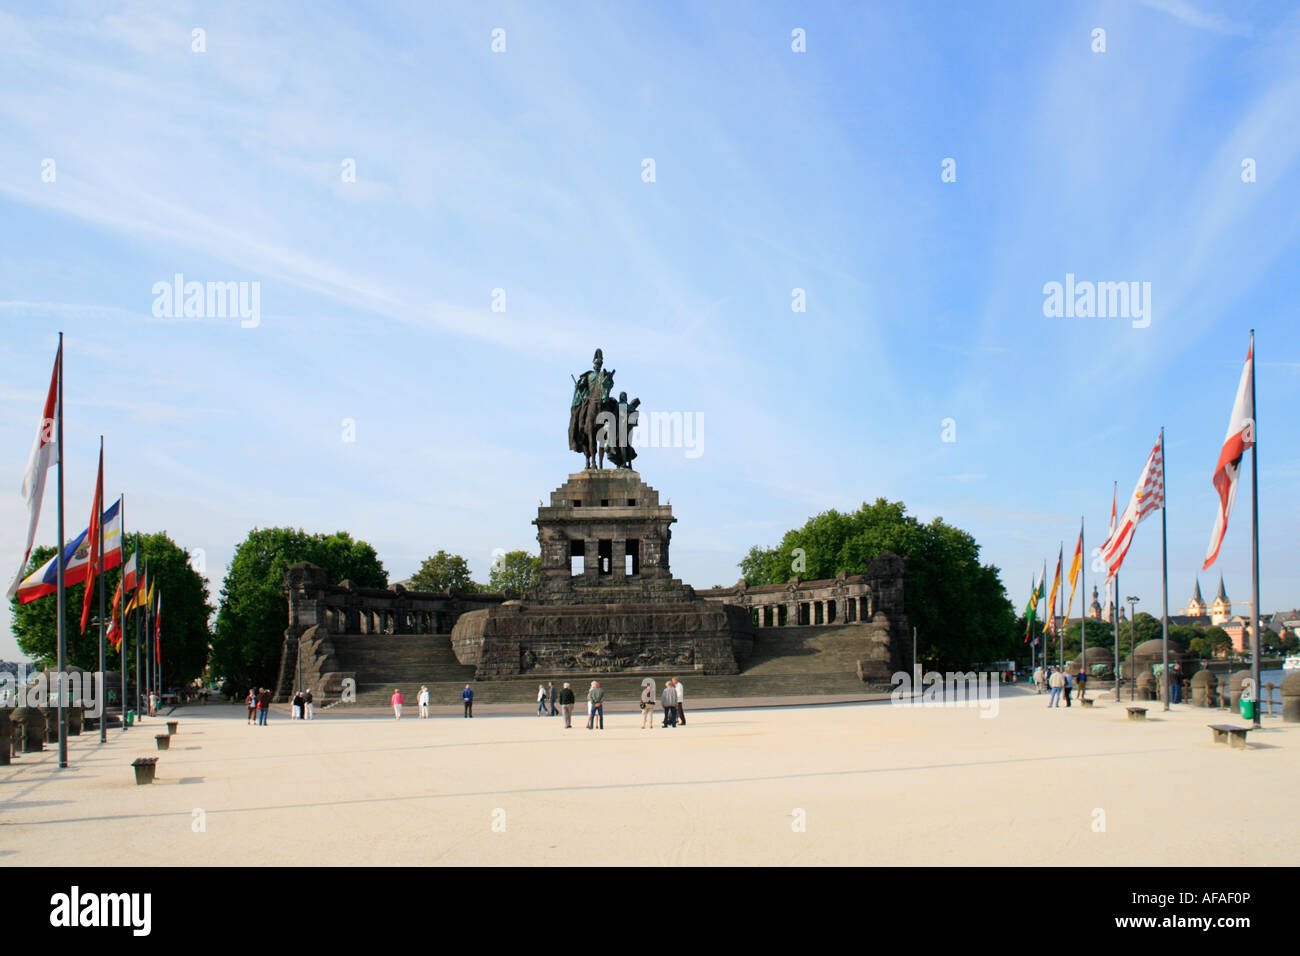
(467, 698)
(263, 706)
(566, 704)
(550, 697)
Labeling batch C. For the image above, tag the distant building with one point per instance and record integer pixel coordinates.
(1197, 607)
(1221, 609)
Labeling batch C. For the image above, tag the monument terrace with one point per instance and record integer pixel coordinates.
(605, 604)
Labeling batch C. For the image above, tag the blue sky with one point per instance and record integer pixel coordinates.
(774, 170)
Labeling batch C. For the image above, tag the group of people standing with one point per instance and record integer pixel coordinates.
(673, 701)
(422, 701)
(1059, 682)
(258, 703)
(302, 702)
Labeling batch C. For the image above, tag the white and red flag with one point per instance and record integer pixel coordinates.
(128, 572)
(1241, 435)
(1148, 497)
(44, 456)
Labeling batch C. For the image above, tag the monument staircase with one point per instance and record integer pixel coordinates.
(785, 662)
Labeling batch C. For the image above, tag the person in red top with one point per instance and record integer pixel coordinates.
(397, 704)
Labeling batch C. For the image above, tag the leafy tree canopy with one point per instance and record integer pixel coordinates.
(514, 571)
(443, 572)
(254, 613)
(959, 606)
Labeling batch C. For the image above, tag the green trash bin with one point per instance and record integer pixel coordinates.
(1247, 709)
(130, 718)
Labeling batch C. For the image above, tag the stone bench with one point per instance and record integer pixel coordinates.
(145, 768)
(1137, 713)
(1236, 736)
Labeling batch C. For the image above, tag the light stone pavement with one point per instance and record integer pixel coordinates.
(859, 784)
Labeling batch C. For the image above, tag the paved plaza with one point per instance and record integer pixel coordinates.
(859, 784)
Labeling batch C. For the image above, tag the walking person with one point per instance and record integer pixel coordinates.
(541, 700)
(566, 705)
(297, 706)
(669, 702)
(648, 705)
(1082, 682)
(396, 701)
(550, 697)
(1069, 686)
(596, 697)
(467, 698)
(681, 701)
(423, 701)
(1057, 683)
(1040, 680)
(306, 702)
(263, 707)
(251, 701)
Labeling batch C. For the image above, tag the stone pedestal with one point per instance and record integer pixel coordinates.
(1291, 698)
(1205, 689)
(606, 600)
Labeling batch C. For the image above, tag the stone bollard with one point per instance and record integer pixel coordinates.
(172, 725)
(163, 741)
(31, 724)
(1235, 684)
(1291, 698)
(1146, 686)
(75, 715)
(1204, 689)
(6, 734)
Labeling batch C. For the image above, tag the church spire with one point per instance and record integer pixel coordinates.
(1196, 595)
(1222, 595)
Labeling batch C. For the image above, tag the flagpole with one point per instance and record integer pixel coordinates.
(1083, 614)
(1254, 535)
(137, 626)
(60, 562)
(103, 614)
(121, 639)
(1114, 615)
(1059, 625)
(1164, 571)
(157, 643)
(148, 654)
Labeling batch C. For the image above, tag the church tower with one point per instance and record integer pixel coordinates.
(1221, 609)
(1196, 607)
(1094, 609)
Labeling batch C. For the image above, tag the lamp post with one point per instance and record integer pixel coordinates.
(1132, 630)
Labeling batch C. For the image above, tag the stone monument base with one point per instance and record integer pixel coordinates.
(515, 640)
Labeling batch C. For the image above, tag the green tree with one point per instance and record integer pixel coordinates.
(514, 571)
(443, 572)
(185, 632)
(254, 613)
(1219, 641)
(1099, 634)
(958, 606)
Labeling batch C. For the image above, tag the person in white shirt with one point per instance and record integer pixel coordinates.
(423, 701)
(681, 701)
